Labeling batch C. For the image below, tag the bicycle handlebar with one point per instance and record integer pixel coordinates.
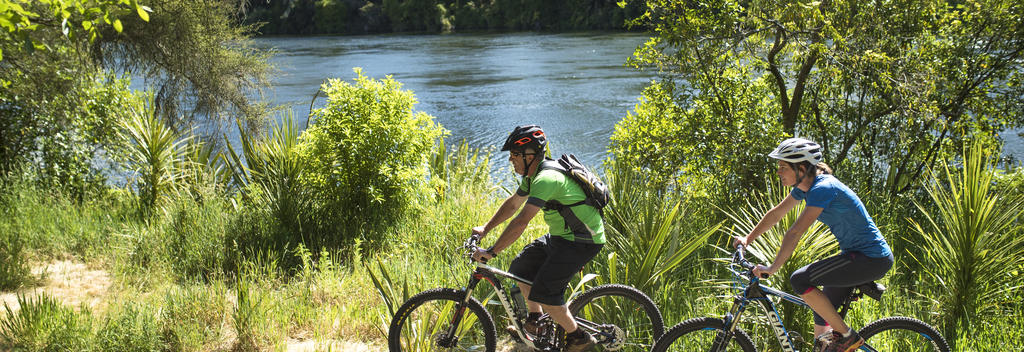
(471, 246)
(739, 257)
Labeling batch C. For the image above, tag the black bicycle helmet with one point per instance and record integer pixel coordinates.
(526, 136)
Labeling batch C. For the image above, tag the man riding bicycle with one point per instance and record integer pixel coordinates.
(575, 236)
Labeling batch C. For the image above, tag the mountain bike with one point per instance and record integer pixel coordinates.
(620, 317)
(713, 334)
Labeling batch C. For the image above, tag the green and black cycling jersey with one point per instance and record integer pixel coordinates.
(550, 189)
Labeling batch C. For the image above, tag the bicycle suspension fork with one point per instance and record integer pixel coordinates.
(732, 320)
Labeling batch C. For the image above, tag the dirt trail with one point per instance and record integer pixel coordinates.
(73, 283)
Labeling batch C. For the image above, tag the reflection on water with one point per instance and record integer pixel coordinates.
(479, 86)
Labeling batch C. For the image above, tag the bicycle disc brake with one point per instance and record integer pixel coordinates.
(444, 340)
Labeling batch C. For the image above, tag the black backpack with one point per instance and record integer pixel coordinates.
(597, 192)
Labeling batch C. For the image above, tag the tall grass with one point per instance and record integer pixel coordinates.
(131, 327)
(44, 324)
(972, 245)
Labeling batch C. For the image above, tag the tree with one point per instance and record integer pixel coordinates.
(894, 85)
(59, 103)
(76, 17)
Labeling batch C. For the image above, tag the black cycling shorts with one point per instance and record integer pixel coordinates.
(550, 262)
(838, 275)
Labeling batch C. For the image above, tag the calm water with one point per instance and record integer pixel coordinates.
(479, 86)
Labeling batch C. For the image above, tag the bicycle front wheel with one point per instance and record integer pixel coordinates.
(700, 334)
(624, 318)
(902, 334)
(439, 320)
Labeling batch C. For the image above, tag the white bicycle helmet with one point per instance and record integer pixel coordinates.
(796, 150)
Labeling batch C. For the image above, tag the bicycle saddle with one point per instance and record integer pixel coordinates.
(872, 289)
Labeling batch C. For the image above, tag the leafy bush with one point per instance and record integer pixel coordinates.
(691, 145)
(367, 153)
(44, 324)
(63, 136)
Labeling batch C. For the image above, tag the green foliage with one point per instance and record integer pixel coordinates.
(45, 324)
(367, 152)
(971, 245)
(14, 267)
(649, 240)
(49, 222)
(249, 317)
(897, 85)
(132, 327)
(212, 77)
(700, 143)
(331, 16)
(463, 170)
(196, 235)
(268, 172)
(64, 136)
(19, 19)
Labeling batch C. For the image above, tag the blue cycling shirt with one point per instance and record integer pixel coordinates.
(845, 216)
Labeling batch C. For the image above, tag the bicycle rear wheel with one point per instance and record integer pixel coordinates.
(626, 319)
(699, 334)
(902, 334)
(424, 323)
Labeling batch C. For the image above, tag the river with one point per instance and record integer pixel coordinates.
(479, 86)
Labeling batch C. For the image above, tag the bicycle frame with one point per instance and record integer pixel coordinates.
(492, 275)
(754, 292)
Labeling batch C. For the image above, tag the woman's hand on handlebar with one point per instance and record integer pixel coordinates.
(762, 271)
(741, 241)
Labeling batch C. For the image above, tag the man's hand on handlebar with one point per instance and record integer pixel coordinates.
(481, 255)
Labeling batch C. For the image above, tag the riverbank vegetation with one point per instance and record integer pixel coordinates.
(309, 17)
(317, 235)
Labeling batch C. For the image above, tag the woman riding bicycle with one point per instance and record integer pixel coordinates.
(865, 256)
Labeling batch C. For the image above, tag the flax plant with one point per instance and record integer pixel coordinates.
(650, 233)
(154, 152)
(970, 245)
(269, 169)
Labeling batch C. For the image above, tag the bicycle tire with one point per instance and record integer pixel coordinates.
(902, 334)
(698, 334)
(623, 307)
(418, 325)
